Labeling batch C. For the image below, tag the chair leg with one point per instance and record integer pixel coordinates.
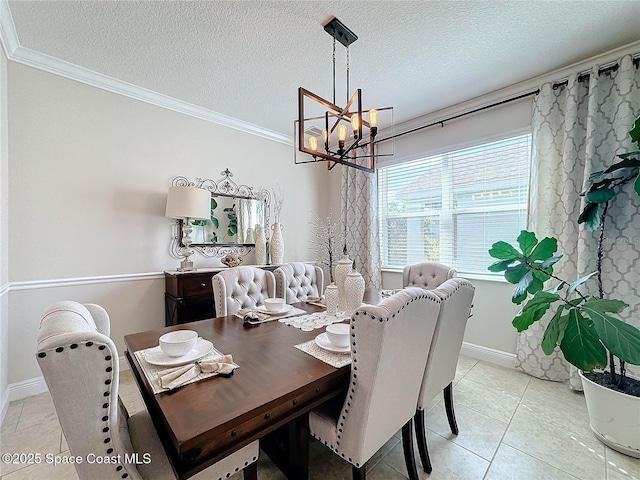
(407, 443)
(250, 472)
(359, 473)
(421, 435)
(448, 403)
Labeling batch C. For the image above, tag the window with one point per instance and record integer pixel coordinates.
(451, 208)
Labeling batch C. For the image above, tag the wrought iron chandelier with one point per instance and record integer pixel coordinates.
(344, 135)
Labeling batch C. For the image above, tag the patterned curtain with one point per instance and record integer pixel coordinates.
(360, 218)
(577, 130)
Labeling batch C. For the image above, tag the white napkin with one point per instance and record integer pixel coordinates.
(176, 376)
(260, 316)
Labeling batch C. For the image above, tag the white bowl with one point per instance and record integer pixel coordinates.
(274, 304)
(338, 334)
(178, 343)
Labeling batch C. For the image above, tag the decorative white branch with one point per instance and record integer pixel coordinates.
(327, 241)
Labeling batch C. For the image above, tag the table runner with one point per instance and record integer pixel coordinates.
(337, 360)
(153, 372)
(311, 321)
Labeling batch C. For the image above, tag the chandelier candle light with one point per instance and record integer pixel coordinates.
(317, 116)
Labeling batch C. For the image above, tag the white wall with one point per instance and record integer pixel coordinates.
(4, 247)
(89, 174)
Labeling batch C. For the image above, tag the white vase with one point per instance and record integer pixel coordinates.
(354, 291)
(331, 299)
(614, 417)
(276, 247)
(343, 268)
(261, 246)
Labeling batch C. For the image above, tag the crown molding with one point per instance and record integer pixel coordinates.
(41, 61)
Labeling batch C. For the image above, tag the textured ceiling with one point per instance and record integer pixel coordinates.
(246, 59)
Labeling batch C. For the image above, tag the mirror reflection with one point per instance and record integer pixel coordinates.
(233, 221)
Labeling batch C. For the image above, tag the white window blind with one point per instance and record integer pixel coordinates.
(451, 208)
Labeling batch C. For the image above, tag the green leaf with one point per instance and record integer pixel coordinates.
(536, 284)
(579, 282)
(556, 288)
(581, 345)
(550, 261)
(515, 273)
(545, 249)
(625, 163)
(522, 286)
(590, 216)
(634, 133)
(503, 251)
(534, 310)
(232, 230)
(555, 331)
(622, 339)
(215, 222)
(214, 204)
(601, 196)
(500, 265)
(527, 240)
(629, 154)
(636, 185)
(596, 176)
(541, 276)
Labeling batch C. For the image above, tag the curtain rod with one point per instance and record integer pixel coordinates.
(581, 77)
(441, 122)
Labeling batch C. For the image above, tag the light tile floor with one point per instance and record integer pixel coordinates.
(512, 426)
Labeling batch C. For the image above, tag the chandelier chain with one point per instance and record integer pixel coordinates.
(347, 97)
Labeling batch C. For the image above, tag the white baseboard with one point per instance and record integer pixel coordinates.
(37, 385)
(27, 388)
(489, 355)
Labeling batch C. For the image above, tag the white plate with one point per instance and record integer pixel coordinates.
(323, 342)
(158, 357)
(285, 308)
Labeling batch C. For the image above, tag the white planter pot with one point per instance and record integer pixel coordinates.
(614, 417)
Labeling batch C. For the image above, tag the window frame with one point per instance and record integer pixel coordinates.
(443, 151)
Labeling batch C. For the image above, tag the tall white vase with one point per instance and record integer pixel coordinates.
(343, 268)
(354, 290)
(331, 299)
(261, 246)
(276, 246)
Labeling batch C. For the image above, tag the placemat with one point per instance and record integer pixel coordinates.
(337, 360)
(311, 321)
(152, 372)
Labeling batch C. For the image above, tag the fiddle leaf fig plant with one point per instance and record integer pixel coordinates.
(584, 327)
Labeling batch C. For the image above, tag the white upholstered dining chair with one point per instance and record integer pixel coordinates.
(456, 295)
(241, 287)
(296, 281)
(427, 275)
(389, 347)
(80, 365)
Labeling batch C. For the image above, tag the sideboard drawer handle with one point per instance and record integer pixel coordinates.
(267, 416)
(317, 389)
(234, 433)
(295, 401)
(203, 285)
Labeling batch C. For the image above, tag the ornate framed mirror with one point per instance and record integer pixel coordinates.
(236, 210)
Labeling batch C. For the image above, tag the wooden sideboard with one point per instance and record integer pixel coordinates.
(188, 296)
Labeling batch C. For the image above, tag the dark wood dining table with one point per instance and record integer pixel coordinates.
(268, 397)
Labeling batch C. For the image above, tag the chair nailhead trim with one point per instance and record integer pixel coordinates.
(105, 405)
(42, 355)
(105, 429)
(109, 450)
(59, 349)
(106, 394)
(107, 382)
(107, 358)
(74, 345)
(101, 347)
(118, 468)
(108, 369)
(107, 440)
(105, 418)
